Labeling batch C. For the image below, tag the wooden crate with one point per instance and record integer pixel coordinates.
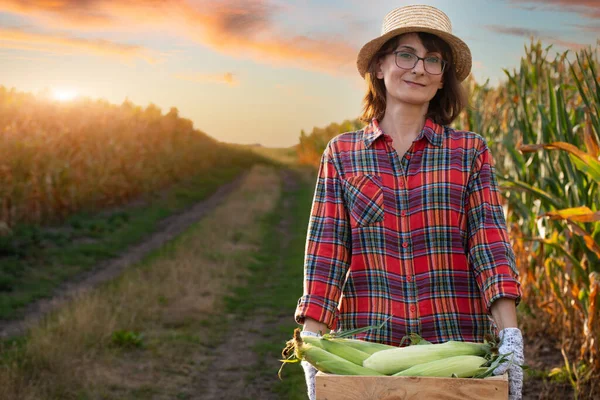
(346, 387)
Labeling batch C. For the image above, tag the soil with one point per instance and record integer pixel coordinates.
(233, 359)
(543, 353)
(167, 230)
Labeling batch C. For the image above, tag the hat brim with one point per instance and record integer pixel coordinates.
(460, 51)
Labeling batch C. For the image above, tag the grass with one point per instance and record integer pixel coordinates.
(152, 331)
(273, 290)
(149, 333)
(35, 260)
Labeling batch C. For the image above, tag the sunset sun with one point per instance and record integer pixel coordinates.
(64, 94)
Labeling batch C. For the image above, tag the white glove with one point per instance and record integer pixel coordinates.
(309, 370)
(511, 341)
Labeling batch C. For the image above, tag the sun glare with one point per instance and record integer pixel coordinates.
(64, 94)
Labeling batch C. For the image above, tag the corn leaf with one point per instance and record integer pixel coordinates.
(508, 183)
(590, 139)
(575, 214)
(493, 364)
(589, 241)
(352, 332)
(574, 261)
(583, 161)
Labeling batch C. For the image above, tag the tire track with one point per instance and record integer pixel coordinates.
(167, 230)
(230, 362)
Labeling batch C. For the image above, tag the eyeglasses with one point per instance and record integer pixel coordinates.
(406, 60)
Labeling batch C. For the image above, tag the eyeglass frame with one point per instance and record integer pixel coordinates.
(395, 53)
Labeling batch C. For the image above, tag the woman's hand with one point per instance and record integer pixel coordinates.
(511, 343)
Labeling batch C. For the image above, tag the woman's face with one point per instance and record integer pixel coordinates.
(413, 86)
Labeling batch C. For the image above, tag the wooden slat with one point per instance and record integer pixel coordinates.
(345, 387)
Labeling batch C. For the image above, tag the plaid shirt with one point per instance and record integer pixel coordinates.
(421, 239)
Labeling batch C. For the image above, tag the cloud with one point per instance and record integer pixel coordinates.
(87, 14)
(526, 8)
(246, 29)
(13, 38)
(513, 31)
(227, 78)
(568, 44)
(588, 28)
(239, 28)
(586, 8)
(524, 32)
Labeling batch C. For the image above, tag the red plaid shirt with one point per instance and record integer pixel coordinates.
(421, 239)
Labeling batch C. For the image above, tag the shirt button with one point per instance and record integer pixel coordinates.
(407, 156)
(403, 213)
(412, 308)
(405, 244)
(409, 278)
(401, 184)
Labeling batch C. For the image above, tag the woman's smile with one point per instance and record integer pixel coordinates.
(414, 84)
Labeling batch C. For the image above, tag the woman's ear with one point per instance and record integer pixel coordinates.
(378, 69)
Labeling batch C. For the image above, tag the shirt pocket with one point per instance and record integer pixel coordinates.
(364, 198)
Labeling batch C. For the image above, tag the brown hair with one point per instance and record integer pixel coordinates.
(447, 103)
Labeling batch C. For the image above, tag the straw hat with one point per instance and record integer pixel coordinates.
(418, 18)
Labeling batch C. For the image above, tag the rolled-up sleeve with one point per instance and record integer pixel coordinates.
(327, 250)
(489, 250)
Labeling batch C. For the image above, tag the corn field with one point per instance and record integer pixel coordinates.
(57, 159)
(310, 147)
(543, 126)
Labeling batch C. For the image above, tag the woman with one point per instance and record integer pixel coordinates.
(406, 221)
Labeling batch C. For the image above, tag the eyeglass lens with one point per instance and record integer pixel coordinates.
(433, 65)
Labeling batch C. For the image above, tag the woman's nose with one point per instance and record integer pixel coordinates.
(419, 67)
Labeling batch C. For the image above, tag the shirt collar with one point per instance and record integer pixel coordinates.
(432, 131)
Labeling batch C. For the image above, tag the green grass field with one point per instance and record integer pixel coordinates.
(36, 260)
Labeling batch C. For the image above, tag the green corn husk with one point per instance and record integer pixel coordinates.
(389, 362)
(298, 349)
(363, 345)
(329, 363)
(458, 366)
(339, 348)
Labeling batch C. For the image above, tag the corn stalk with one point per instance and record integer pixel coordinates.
(543, 126)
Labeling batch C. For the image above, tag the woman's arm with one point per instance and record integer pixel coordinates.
(327, 251)
(313, 326)
(504, 312)
(488, 249)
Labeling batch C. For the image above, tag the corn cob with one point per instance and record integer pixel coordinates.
(389, 362)
(321, 359)
(460, 366)
(363, 345)
(339, 348)
(328, 362)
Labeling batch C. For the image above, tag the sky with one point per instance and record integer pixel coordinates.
(252, 71)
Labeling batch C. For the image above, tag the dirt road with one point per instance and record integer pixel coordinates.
(167, 230)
